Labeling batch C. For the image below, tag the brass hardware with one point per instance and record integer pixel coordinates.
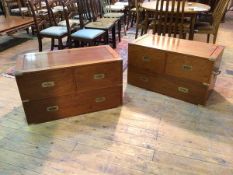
(146, 59)
(98, 76)
(186, 67)
(183, 90)
(206, 84)
(217, 72)
(52, 108)
(100, 99)
(48, 84)
(145, 79)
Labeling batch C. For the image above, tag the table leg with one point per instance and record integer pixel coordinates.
(193, 20)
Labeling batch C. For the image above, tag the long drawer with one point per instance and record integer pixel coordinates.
(174, 87)
(49, 109)
(44, 84)
(100, 75)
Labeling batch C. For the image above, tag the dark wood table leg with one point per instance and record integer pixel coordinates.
(193, 20)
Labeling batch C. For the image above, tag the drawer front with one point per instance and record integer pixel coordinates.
(189, 67)
(100, 99)
(146, 59)
(98, 76)
(173, 87)
(49, 109)
(45, 84)
(38, 111)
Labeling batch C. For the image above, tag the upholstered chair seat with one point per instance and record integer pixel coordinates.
(54, 31)
(88, 34)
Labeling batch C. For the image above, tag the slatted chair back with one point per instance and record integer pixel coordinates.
(84, 9)
(219, 12)
(169, 17)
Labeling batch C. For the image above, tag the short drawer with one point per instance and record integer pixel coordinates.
(39, 85)
(147, 59)
(99, 75)
(189, 67)
(100, 99)
(183, 90)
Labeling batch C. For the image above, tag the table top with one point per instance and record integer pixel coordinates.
(11, 23)
(190, 7)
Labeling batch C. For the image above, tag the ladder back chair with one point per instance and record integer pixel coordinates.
(42, 29)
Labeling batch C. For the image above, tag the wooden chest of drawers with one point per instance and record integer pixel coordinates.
(65, 83)
(178, 68)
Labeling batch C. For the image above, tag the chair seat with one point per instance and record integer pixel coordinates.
(89, 34)
(72, 22)
(113, 15)
(54, 31)
(125, 4)
(17, 10)
(203, 27)
(115, 8)
(102, 23)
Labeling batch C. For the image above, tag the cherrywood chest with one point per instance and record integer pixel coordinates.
(65, 83)
(178, 68)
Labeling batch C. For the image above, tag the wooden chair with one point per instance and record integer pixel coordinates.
(82, 36)
(16, 7)
(41, 22)
(108, 13)
(167, 19)
(211, 28)
(106, 24)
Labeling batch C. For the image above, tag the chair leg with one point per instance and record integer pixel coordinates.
(215, 38)
(114, 37)
(136, 34)
(60, 45)
(119, 30)
(40, 44)
(52, 43)
(208, 38)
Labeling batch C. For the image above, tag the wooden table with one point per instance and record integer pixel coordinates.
(191, 9)
(13, 23)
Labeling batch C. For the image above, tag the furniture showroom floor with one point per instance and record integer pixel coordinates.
(150, 134)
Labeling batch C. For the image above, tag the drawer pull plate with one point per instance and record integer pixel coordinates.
(52, 108)
(146, 59)
(217, 72)
(100, 99)
(145, 79)
(183, 90)
(47, 84)
(186, 67)
(98, 76)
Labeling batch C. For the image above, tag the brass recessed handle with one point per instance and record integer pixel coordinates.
(186, 67)
(145, 79)
(100, 99)
(52, 108)
(146, 59)
(183, 90)
(47, 84)
(217, 72)
(98, 76)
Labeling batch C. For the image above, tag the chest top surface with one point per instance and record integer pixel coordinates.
(187, 47)
(31, 62)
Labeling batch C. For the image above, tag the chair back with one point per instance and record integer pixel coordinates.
(169, 17)
(85, 12)
(40, 17)
(219, 12)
